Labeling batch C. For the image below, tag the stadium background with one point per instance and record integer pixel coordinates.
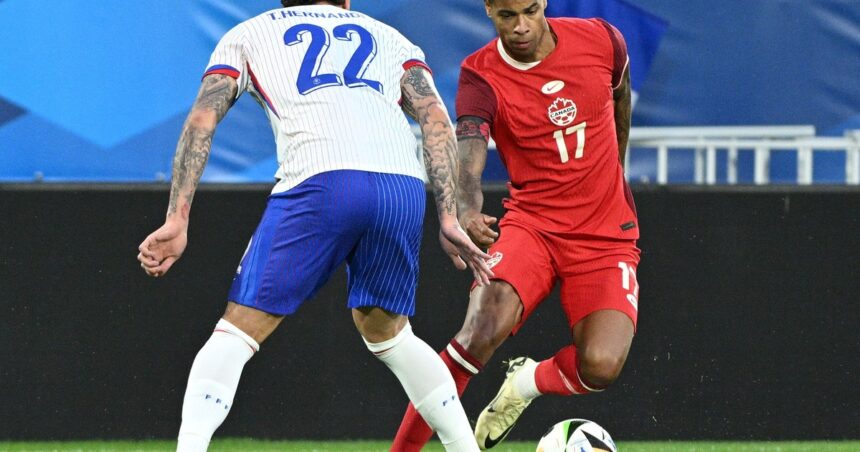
(748, 328)
(97, 91)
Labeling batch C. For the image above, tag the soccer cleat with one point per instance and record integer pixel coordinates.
(500, 416)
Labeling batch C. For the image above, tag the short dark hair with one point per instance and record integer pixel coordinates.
(288, 3)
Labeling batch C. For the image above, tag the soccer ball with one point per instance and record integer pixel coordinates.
(576, 435)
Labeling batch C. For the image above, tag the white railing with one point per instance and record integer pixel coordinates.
(706, 142)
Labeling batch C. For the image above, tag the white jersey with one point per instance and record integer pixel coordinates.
(329, 80)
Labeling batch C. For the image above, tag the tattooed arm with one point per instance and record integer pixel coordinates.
(623, 108)
(216, 96)
(164, 246)
(472, 139)
(421, 102)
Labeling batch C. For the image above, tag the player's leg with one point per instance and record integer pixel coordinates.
(216, 370)
(493, 312)
(274, 277)
(421, 373)
(601, 303)
(598, 294)
(603, 340)
(593, 362)
(524, 277)
(382, 278)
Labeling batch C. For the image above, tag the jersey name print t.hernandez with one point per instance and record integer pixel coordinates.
(554, 127)
(317, 129)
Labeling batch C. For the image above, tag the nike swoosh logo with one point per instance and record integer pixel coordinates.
(491, 442)
(552, 87)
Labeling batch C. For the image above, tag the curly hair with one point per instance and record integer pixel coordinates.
(288, 3)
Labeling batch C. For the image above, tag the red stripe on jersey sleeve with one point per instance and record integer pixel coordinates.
(475, 97)
(412, 63)
(619, 52)
(222, 69)
(262, 92)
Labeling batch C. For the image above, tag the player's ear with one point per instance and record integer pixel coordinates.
(345, 4)
(487, 6)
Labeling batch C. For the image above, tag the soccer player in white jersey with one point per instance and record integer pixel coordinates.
(334, 84)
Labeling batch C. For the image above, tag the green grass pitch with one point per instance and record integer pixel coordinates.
(247, 445)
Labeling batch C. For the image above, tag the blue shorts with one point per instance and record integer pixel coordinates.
(373, 221)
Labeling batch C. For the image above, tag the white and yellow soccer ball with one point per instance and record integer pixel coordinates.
(576, 435)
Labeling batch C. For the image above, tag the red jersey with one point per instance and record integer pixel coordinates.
(554, 128)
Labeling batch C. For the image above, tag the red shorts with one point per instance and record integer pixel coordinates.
(595, 274)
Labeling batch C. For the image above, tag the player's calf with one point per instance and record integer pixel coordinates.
(562, 375)
(212, 385)
(414, 432)
(429, 385)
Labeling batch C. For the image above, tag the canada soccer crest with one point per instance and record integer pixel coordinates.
(494, 259)
(562, 111)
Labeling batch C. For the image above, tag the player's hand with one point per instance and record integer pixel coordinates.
(464, 254)
(162, 248)
(477, 225)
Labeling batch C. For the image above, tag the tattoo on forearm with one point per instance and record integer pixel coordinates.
(407, 108)
(192, 153)
(216, 96)
(473, 158)
(472, 127)
(439, 144)
(441, 179)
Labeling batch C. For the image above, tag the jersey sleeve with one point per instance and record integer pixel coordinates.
(620, 59)
(414, 56)
(229, 58)
(475, 97)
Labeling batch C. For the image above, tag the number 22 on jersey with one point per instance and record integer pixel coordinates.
(310, 79)
(561, 135)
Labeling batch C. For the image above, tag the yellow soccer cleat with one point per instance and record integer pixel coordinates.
(500, 416)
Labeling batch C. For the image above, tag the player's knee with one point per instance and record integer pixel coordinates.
(599, 367)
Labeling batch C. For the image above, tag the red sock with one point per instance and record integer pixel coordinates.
(560, 375)
(414, 433)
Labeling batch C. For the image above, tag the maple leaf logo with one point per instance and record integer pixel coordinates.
(562, 112)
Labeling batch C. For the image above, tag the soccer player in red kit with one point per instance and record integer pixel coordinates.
(554, 94)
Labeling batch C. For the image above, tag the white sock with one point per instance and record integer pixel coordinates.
(443, 412)
(429, 385)
(212, 384)
(526, 383)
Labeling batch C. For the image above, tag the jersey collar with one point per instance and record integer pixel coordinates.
(511, 61)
